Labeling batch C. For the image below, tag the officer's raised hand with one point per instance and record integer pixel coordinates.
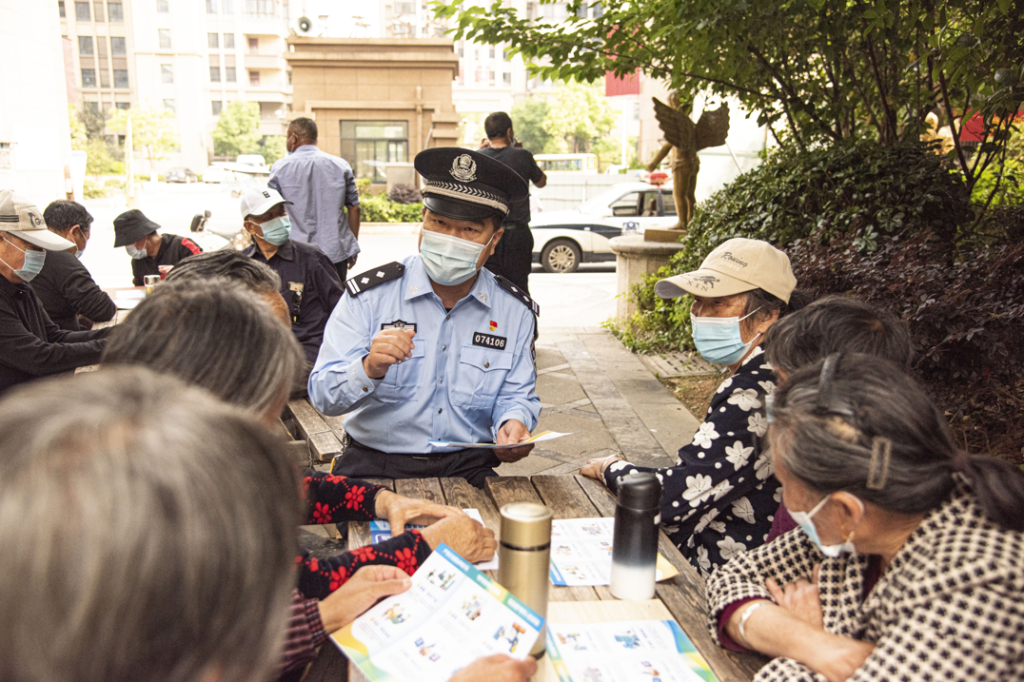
(388, 348)
(513, 431)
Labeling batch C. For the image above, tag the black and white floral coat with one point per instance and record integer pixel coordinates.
(720, 497)
(950, 605)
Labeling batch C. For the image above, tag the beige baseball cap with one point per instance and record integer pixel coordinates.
(735, 266)
(25, 220)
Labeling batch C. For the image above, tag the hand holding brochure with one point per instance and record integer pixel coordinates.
(539, 438)
(452, 615)
(381, 531)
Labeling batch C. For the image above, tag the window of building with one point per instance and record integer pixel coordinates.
(163, 6)
(229, 41)
(476, 54)
(98, 15)
(254, 45)
(215, 74)
(211, 6)
(166, 73)
(88, 78)
(85, 45)
(94, 107)
(289, 73)
(117, 46)
(404, 8)
(506, 55)
(104, 77)
(462, 52)
(254, 78)
(123, 106)
(115, 12)
(164, 36)
(373, 144)
(213, 41)
(5, 156)
(169, 105)
(82, 12)
(506, 78)
(490, 52)
(216, 106)
(227, 7)
(120, 78)
(260, 8)
(597, 10)
(229, 75)
(60, 8)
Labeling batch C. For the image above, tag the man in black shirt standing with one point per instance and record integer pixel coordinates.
(67, 291)
(149, 250)
(513, 257)
(32, 346)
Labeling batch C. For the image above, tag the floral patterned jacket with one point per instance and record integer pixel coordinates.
(332, 499)
(720, 497)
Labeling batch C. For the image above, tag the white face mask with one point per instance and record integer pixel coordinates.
(803, 519)
(136, 254)
(450, 260)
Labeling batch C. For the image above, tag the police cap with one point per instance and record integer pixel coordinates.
(466, 185)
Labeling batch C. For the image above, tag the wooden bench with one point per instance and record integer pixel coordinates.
(323, 439)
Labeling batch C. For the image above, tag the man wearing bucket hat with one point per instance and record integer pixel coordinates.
(31, 345)
(309, 281)
(435, 348)
(148, 249)
(720, 497)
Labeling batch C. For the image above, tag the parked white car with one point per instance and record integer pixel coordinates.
(564, 239)
(215, 174)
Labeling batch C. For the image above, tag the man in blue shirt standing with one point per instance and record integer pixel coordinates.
(320, 187)
(434, 347)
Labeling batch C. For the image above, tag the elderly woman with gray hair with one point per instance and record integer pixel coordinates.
(907, 563)
(218, 336)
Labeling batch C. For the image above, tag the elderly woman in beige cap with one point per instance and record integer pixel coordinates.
(719, 498)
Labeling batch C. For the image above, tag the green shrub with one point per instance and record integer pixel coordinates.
(859, 191)
(93, 190)
(377, 208)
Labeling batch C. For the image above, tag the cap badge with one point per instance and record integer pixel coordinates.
(34, 219)
(464, 168)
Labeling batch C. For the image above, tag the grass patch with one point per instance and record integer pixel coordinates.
(694, 392)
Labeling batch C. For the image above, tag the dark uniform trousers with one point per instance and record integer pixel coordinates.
(359, 461)
(513, 257)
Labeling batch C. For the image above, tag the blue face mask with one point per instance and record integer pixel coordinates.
(718, 339)
(136, 254)
(803, 519)
(277, 231)
(32, 265)
(450, 260)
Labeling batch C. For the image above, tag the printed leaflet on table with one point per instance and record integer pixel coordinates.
(625, 651)
(581, 553)
(452, 615)
(381, 531)
(539, 438)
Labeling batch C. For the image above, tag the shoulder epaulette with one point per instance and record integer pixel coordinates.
(511, 288)
(371, 278)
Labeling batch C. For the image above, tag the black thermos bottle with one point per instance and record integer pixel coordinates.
(635, 545)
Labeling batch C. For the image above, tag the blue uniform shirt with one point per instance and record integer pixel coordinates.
(471, 371)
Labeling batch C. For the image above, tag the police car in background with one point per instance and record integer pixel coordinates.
(564, 239)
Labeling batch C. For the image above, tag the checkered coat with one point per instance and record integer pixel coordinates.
(950, 606)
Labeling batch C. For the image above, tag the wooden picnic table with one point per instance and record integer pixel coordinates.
(568, 497)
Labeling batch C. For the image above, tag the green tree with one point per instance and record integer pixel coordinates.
(237, 129)
(79, 138)
(577, 116)
(98, 159)
(273, 148)
(813, 70)
(152, 130)
(528, 122)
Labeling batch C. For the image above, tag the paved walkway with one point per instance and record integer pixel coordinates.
(589, 384)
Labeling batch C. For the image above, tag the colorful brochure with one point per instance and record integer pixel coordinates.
(539, 438)
(452, 615)
(625, 651)
(381, 530)
(581, 553)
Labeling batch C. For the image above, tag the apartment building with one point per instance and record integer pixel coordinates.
(191, 57)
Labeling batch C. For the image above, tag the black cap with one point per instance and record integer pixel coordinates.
(466, 185)
(131, 226)
(640, 491)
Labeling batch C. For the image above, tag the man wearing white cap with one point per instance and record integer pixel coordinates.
(719, 499)
(309, 281)
(31, 345)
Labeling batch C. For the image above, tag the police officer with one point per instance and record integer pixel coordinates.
(309, 282)
(434, 347)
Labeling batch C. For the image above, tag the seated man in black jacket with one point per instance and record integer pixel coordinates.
(67, 291)
(149, 250)
(31, 345)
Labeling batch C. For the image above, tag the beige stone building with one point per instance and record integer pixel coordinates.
(376, 101)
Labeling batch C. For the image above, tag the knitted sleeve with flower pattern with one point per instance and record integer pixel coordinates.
(333, 499)
(720, 497)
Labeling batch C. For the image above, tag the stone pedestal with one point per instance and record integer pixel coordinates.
(635, 258)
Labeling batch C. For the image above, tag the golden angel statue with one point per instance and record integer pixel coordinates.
(687, 138)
